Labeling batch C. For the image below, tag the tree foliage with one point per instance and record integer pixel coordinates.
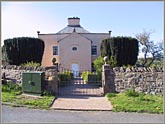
(155, 50)
(123, 50)
(98, 63)
(23, 49)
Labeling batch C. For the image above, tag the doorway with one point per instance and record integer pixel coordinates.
(75, 69)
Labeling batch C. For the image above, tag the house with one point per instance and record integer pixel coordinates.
(73, 47)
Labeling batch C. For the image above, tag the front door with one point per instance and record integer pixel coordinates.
(75, 69)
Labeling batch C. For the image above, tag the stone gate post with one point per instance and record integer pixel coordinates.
(53, 80)
(108, 77)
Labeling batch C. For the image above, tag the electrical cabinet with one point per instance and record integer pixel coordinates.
(33, 82)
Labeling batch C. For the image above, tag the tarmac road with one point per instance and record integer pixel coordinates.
(25, 115)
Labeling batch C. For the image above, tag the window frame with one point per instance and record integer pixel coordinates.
(94, 47)
(55, 50)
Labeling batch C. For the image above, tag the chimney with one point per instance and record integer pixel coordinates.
(74, 22)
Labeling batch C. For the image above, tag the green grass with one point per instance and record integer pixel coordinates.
(43, 102)
(139, 103)
(12, 94)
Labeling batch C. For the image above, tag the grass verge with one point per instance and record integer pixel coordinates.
(43, 102)
(11, 93)
(136, 103)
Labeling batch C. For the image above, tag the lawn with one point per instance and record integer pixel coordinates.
(136, 103)
(12, 94)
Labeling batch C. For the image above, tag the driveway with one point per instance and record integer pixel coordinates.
(25, 115)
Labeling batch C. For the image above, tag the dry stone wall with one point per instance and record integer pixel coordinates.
(14, 73)
(147, 80)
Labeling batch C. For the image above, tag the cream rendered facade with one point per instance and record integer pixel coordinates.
(74, 46)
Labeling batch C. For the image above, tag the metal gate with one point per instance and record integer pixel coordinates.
(73, 83)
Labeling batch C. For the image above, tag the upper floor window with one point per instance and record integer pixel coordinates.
(55, 50)
(74, 48)
(94, 50)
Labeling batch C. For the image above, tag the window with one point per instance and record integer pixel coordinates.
(74, 48)
(55, 50)
(94, 50)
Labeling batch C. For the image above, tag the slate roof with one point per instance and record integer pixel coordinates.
(70, 29)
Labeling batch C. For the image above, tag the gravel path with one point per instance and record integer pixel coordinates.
(25, 115)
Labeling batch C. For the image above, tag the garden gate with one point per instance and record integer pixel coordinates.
(79, 83)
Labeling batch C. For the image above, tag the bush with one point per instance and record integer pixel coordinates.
(112, 62)
(65, 77)
(23, 49)
(98, 63)
(124, 50)
(31, 64)
(85, 74)
(131, 93)
(90, 77)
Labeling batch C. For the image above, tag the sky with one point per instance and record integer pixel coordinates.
(21, 19)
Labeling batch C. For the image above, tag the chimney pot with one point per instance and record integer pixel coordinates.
(38, 32)
(110, 33)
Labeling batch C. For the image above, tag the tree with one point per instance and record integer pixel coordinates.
(149, 48)
(23, 49)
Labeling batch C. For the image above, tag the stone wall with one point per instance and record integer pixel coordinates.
(147, 80)
(14, 73)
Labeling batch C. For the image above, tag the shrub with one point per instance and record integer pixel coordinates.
(123, 49)
(131, 93)
(98, 63)
(90, 77)
(65, 77)
(112, 62)
(85, 74)
(23, 49)
(31, 64)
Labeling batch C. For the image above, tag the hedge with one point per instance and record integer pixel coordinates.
(123, 49)
(22, 50)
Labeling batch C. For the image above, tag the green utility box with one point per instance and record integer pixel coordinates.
(33, 82)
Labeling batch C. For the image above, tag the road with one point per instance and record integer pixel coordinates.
(25, 115)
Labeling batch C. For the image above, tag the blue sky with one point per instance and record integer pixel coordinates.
(122, 18)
